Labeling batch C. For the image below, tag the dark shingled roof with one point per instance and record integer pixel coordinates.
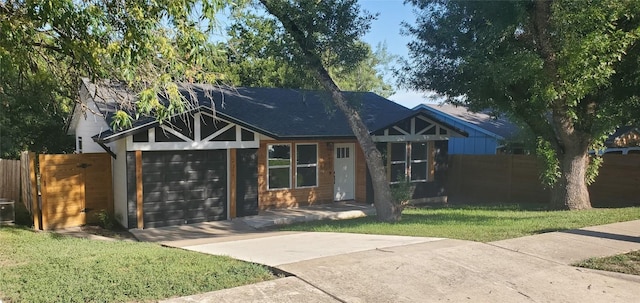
(279, 113)
(483, 120)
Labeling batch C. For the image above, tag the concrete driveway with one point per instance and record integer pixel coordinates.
(284, 248)
(407, 269)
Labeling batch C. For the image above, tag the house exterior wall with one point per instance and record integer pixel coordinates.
(478, 143)
(323, 192)
(119, 180)
(88, 124)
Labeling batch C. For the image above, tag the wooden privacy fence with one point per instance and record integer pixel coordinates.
(515, 179)
(10, 179)
(74, 188)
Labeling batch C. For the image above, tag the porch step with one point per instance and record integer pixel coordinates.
(336, 211)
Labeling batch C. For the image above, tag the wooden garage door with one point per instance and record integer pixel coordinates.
(184, 187)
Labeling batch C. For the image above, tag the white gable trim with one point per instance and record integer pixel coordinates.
(194, 144)
(417, 135)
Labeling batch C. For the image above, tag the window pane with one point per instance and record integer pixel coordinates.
(419, 171)
(398, 152)
(418, 151)
(279, 178)
(306, 176)
(306, 154)
(246, 135)
(398, 172)
(227, 135)
(279, 155)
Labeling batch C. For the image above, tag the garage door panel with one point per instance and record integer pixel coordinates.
(184, 187)
(161, 196)
(164, 215)
(163, 223)
(165, 206)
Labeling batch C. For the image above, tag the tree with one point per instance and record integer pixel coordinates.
(147, 45)
(336, 25)
(32, 116)
(262, 54)
(566, 69)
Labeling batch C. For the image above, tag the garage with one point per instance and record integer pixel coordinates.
(184, 187)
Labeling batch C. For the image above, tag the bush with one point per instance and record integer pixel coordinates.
(105, 219)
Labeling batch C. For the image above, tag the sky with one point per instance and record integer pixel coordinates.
(387, 29)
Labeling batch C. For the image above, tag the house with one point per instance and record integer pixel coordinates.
(625, 140)
(487, 135)
(241, 150)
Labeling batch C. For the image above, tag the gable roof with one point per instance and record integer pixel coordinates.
(279, 113)
(625, 136)
(501, 128)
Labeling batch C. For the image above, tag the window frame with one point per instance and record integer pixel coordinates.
(315, 165)
(269, 167)
(392, 162)
(425, 160)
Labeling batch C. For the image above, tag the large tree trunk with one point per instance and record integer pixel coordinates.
(386, 209)
(570, 191)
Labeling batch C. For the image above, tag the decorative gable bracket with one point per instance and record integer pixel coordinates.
(417, 128)
(200, 131)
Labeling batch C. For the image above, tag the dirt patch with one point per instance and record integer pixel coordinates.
(118, 234)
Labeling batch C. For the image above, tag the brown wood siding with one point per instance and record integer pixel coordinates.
(294, 197)
(139, 199)
(75, 188)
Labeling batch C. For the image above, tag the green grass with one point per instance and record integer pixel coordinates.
(46, 267)
(626, 263)
(476, 223)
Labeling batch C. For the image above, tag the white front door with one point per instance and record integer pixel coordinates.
(344, 172)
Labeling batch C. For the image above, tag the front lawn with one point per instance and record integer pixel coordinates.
(476, 223)
(626, 263)
(46, 267)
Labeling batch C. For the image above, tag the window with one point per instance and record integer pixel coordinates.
(419, 158)
(79, 145)
(398, 162)
(306, 165)
(279, 166)
(342, 152)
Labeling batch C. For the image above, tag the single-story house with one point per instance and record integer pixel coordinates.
(488, 135)
(625, 140)
(241, 150)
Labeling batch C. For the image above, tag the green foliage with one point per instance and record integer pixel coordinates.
(567, 69)
(628, 263)
(33, 112)
(261, 53)
(548, 157)
(105, 219)
(475, 223)
(402, 191)
(46, 267)
(595, 162)
(144, 44)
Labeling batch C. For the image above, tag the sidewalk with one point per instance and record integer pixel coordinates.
(528, 269)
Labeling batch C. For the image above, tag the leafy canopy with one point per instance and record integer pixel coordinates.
(566, 69)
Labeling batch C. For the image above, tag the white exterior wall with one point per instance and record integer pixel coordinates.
(88, 124)
(119, 179)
